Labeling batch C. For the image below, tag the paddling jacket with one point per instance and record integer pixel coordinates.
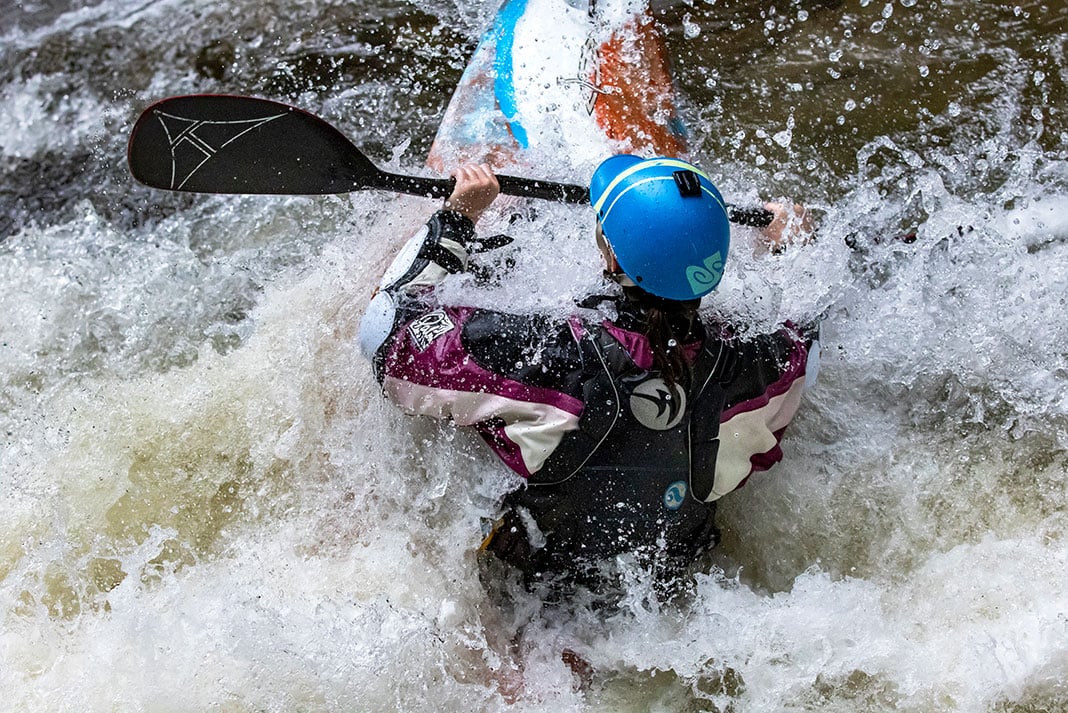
(618, 463)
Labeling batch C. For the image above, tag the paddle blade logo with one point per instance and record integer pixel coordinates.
(704, 278)
(194, 142)
(656, 406)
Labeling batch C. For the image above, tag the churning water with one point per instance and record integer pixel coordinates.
(206, 506)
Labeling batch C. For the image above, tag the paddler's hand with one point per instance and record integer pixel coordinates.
(792, 225)
(476, 187)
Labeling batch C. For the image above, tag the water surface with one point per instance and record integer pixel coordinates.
(207, 506)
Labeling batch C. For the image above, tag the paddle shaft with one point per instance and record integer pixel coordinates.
(546, 190)
(509, 185)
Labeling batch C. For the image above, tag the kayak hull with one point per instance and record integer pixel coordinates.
(555, 85)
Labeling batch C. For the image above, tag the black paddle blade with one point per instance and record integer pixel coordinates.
(211, 143)
(231, 144)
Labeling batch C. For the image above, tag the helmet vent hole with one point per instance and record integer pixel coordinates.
(688, 183)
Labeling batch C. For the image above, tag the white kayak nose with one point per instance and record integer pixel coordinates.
(555, 85)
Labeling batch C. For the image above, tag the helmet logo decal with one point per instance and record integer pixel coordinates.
(657, 406)
(704, 278)
(675, 495)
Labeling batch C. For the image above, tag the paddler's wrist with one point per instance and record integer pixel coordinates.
(476, 188)
(457, 225)
(468, 215)
(791, 225)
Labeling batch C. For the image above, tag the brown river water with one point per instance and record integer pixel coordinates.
(205, 505)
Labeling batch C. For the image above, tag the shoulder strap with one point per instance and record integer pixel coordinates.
(713, 366)
(602, 404)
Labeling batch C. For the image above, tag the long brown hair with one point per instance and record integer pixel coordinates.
(667, 324)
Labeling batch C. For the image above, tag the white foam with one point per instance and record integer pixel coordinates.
(37, 118)
(203, 512)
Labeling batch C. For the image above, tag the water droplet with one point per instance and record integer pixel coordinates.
(690, 29)
(924, 70)
(878, 26)
(888, 10)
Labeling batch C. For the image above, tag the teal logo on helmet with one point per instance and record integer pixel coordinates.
(704, 278)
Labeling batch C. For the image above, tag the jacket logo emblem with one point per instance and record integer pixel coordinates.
(704, 277)
(675, 495)
(429, 327)
(656, 405)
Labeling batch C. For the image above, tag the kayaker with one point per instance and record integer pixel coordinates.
(628, 420)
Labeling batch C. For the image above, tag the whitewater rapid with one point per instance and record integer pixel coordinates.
(205, 504)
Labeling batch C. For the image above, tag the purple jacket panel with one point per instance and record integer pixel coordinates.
(428, 371)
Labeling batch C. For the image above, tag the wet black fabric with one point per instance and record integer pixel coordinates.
(616, 487)
(531, 349)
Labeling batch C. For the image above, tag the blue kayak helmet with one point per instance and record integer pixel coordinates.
(665, 222)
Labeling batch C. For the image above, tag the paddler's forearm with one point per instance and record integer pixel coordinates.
(438, 249)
